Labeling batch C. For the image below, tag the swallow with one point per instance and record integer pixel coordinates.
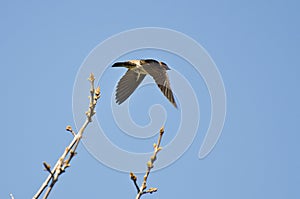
(137, 70)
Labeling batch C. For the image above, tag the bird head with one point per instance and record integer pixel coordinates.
(164, 65)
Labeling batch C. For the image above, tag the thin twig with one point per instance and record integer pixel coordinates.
(69, 128)
(134, 179)
(141, 190)
(70, 151)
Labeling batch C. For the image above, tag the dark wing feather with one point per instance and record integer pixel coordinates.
(161, 78)
(127, 84)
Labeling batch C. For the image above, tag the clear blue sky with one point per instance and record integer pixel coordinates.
(255, 45)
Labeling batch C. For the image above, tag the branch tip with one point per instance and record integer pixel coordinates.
(91, 78)
(132, 176)
(47, 167)
(69, 128)
(152, 190)
(162, 130)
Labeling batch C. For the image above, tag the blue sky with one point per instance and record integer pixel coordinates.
(255, 45)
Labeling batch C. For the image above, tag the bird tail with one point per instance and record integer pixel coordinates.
(118, 64)
(124, 64)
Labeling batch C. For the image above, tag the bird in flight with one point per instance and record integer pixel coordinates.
(137, 70)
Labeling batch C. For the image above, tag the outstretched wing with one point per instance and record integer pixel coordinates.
(161, 78)
(127, 84)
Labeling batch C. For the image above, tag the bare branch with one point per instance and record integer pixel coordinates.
(70, 151)
(141, 190)
(69, 128)
(151, 190)
(134, 179)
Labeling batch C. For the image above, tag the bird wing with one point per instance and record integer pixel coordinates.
(161, 78)
(127, 84)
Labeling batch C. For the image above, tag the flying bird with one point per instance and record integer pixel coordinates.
(137, 70)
